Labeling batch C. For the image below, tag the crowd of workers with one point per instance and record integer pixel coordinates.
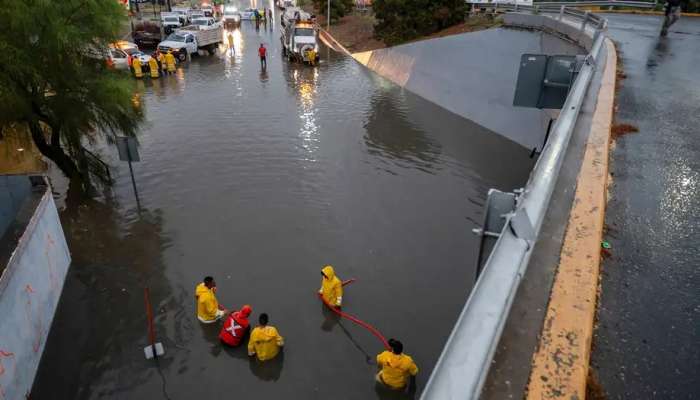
(160, 63)
(396, 369)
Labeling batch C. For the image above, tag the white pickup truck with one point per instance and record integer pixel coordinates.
(204, 34)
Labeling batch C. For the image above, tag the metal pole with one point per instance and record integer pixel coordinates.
(133, 182)
(149, 316)
(328, 17)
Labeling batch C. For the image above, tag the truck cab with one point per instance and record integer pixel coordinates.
(204, 22)
(300, 41)
(181, 44)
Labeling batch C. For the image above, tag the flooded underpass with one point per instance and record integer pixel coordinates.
(259, 178)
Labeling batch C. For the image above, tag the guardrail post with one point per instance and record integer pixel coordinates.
(561, 12)
(583, 23)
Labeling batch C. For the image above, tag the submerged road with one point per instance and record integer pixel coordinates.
(259, 178)
(646, 344)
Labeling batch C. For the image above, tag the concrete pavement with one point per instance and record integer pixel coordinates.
(646, 345)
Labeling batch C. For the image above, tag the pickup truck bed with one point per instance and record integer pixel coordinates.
(205, 36)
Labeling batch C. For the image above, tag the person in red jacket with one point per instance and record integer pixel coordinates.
(235, 327)
(262, 52)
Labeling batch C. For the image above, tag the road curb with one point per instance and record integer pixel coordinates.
(560, 364)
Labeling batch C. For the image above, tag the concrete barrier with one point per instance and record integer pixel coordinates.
(472, 75)
(35, 258)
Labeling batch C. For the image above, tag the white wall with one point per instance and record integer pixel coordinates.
(30, 287)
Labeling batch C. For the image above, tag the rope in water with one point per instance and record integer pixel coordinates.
(356, 320)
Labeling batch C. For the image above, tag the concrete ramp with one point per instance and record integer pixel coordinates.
(472, 75)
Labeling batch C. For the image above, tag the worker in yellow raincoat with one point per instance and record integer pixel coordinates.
(136, 65)
(208, 308)
(331, 287)
(265, 342)
(153, 67)
(396, 368)
(170, 62)
(161, 61)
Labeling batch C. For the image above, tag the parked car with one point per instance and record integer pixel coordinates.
(231, 16)
(248, 14)
(183, 13)
(170, 21)
(146, 34)
(143, 57)
(282, 4)
(196, 14)
(205, 23)
(117, 58)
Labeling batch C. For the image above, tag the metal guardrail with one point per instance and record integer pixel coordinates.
(463, 366)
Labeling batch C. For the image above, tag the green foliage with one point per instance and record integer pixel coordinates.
(339, 8)
(401, 20)
(54, 81)
(691, 6)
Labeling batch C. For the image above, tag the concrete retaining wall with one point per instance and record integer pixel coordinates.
(30, 287)
(472, 75)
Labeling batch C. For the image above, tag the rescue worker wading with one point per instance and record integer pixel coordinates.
(396, 368)
(161, 61)
(265, 342)
(331, 287)
(170, 62)
(136, 65)
(208, 308)
(235, 327)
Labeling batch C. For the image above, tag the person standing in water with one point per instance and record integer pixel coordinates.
(265, 342)
(331, 287)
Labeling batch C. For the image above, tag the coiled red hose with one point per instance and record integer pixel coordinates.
(356, 320)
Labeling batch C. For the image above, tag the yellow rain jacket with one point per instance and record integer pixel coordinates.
(331, 287)
(207, 305)
(136, 64)
(170, 61)
(395, 369)
(161, 60)
(265, 342)
(153, 67)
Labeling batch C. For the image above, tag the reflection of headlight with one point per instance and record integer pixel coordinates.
(316, 48)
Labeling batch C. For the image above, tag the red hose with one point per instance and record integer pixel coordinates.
(358, 321)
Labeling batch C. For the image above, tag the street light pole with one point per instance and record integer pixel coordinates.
(328, 17)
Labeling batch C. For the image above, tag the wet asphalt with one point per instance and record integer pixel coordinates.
(646, 343)
(259, 178)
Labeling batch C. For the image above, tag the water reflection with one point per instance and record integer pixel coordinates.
(269, 370)
(303, 80)
(18, 154)
(101, 311)
(391, 135)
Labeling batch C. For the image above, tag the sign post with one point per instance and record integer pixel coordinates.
(128, 151)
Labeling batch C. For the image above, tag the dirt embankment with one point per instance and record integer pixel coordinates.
(356, 31)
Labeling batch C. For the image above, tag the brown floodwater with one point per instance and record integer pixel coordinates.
(259, 178)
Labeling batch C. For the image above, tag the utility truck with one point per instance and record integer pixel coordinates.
(202, 35)
(300, 41)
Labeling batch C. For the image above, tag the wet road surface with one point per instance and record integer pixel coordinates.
(259, 178)
(646, 345)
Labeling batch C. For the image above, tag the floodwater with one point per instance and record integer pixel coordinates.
(259, 178)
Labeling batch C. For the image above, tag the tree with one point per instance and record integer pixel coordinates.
(339, 8)
(401, 20)
(55, 83)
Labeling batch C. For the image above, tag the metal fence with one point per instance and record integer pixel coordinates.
(463, 366)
